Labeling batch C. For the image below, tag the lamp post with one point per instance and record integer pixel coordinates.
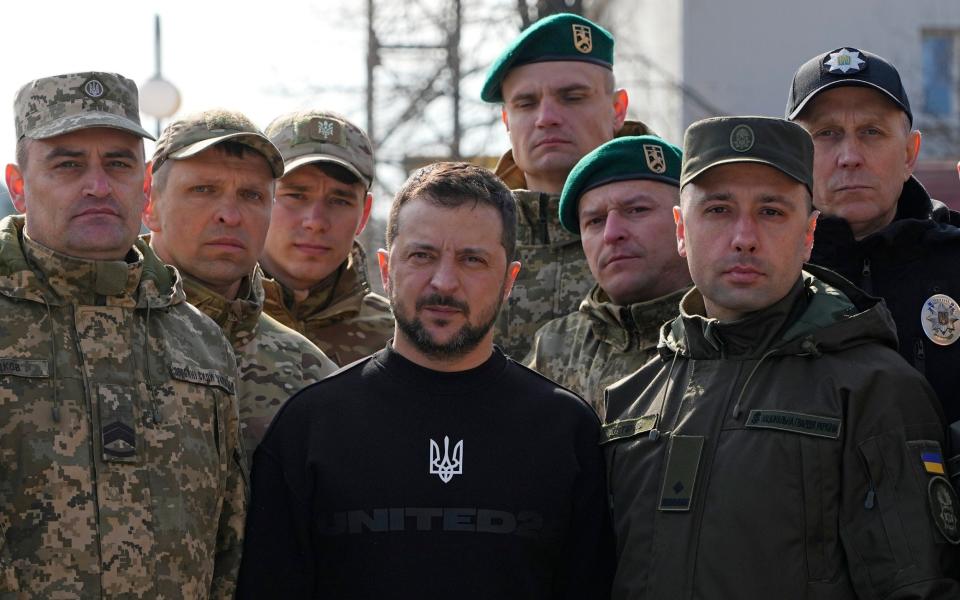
(158, 97)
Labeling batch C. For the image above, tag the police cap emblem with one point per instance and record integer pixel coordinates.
(655, 159)
(93, 88)
(844, 62)
(939, 319)
(582, 38)
(741, 138)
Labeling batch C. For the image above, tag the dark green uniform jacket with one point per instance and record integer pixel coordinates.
(809, 482)
(601, 343)
(554, 275)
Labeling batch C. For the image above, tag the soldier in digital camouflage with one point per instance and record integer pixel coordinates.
(559, 101)
(212, 191)
(619, 199)
(121, 469)
(318, 268)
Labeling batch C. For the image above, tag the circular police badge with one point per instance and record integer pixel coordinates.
(741, 138)
(940, 319)
(93, 88)
(945, 508)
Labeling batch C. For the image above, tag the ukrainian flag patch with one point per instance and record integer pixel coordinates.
(932, 462)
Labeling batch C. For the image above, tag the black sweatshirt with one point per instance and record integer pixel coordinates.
(390, 480)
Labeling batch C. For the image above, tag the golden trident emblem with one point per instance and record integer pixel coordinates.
(582, 38)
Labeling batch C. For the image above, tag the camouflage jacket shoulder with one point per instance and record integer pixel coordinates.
(121, 471)
(341, 315)
(274, 361)
(601, 343)
(554, 274)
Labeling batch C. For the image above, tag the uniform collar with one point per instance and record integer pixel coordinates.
(237, 318)
(632, 325)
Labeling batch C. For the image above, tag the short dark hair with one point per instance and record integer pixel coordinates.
(229, 147)
(337, 172)
(22, 153)
(455, 184)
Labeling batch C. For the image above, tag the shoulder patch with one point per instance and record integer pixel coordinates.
(626, 428)
(203, 377)
(944, 508)
(825, 427)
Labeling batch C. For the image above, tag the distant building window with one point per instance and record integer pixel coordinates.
(939, 69)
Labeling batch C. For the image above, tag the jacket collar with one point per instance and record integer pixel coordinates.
(238, 318)
(629, 326)
(32, 271)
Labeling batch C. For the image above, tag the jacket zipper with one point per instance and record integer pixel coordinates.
(867, 283)
(542, 221)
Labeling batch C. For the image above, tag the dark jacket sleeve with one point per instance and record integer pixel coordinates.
(894, 549)
(588, 555)
(278, 552)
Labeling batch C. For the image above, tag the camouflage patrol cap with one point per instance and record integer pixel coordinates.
(778, 143)
(52, 106)
(561, 37)
(191, 135)
(621, 159)
(316, 136)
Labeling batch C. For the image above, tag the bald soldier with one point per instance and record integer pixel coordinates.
(619, 199)
(559, 101)
(121, 474)
(213, 182)
(318, 268)
(880, 229)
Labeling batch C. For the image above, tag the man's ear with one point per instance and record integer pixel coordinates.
(504, 118)
(15, 186)
(681, 233)
(513, 269)
(913, 152)
(808, 236)
(620, 102)
(383, 260)
(149, 217)
(367, 205)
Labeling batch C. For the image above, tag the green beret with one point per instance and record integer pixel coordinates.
(621, 159)
(781, 144)
(560, 37)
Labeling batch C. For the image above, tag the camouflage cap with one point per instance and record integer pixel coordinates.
(621, 159)
(315, 136)
(561, 37)
(781, 144)
(52, 106)
(191, 135)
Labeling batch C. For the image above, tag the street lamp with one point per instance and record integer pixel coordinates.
(158, 97)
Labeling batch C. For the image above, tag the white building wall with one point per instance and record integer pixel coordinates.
(740, 55)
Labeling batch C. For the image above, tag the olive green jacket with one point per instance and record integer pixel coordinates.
(601, 343)
(779, 456)
(341, 315)
(554, 276)
(121, 473)
(274, 361)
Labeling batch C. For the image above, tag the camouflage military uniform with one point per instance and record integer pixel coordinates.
(274, 361)
(601, 343)
(341, 315)
(121, 472)
(554, 276)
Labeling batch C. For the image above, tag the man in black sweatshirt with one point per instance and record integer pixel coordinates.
(438, 467)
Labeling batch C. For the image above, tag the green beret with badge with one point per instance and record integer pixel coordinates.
(56, 105)
(561, 37)
(621, 159)
(191, 135)
(778, 143)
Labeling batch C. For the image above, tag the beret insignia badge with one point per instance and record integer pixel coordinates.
(582, 38)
